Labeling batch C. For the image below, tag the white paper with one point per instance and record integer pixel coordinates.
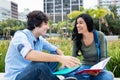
(101, 64)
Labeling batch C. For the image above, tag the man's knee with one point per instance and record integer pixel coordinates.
(39, 65)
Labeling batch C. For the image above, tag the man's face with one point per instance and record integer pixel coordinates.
(42, 29)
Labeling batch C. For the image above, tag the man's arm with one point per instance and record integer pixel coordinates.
(34, 55)
(68, 61)
(59, 52)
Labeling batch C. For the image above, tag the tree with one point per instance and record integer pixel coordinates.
(73, 15)
(113, 9)
(98, 13)
(7, 25)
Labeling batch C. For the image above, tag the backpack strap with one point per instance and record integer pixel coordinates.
(97, 44)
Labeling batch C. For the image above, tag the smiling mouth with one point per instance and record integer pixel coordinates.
(79, 29)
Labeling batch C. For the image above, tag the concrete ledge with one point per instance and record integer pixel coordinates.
(112, 37)
(2, 77)
(116, 78)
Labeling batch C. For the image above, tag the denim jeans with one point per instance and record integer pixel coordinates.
(39, 71)
(104, 75)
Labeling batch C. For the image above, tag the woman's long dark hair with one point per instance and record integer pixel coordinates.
(77, 37)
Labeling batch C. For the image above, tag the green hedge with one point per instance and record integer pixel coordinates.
(66, 46)
(114, 63)
(3, 49)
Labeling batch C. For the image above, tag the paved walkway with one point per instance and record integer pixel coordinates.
(2, 74)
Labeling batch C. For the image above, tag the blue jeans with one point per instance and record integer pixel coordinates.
(39, 71)
(104, 75)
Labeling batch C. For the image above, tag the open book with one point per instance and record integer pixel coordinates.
(97, 67)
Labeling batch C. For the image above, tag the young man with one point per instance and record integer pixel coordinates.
(25, 59)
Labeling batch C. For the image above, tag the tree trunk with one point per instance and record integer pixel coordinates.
(99, 25)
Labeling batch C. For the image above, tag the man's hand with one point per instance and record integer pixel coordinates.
(69, 61)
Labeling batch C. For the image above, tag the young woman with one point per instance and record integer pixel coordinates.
(83, 41)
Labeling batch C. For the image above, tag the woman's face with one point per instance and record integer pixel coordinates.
(81, 26)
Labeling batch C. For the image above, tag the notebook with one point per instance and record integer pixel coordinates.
(66, 71)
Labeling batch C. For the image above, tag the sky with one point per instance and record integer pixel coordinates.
(38, 4)
(30, 4)
(90, 3)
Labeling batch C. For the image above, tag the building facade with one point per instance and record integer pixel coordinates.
(107, 3)
(58, 9)
(8, 10)
(14, 10)
(5, 12)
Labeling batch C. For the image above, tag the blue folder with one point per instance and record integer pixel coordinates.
(66, 71)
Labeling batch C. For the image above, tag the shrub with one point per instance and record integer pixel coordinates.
(118, 36)
(66, 46)
(3, 49)
(114, 63)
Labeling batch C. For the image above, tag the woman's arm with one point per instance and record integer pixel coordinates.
(103, 45)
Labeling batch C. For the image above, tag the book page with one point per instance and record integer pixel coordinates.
(101, 64)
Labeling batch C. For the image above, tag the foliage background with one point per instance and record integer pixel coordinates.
(66, 46)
